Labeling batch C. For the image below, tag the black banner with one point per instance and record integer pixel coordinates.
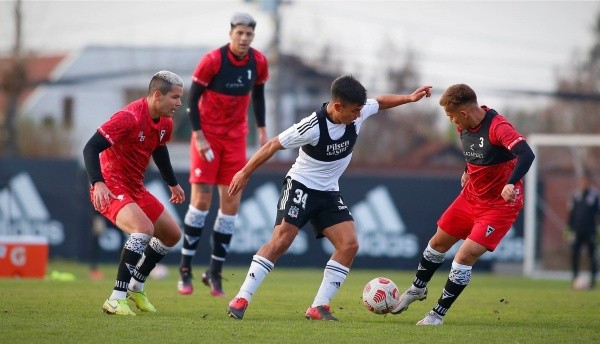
(394, 216)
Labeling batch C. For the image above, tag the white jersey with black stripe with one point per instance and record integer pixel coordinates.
(316, 174)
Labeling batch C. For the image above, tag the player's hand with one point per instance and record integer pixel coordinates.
(508, 193)
(238, 182)
(101, 196)
(202, 146)
(419, 93)
(177, 194)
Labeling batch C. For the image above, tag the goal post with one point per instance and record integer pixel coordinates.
(536, 141)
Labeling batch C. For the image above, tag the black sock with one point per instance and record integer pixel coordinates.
(130, 255)
(425, 272)
(449, 295)
(153, 254)
(220, 246)
(128, 261)
(431, 260)
(191, 239)
(458, 279)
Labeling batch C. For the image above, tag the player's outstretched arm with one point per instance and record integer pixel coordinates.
(265, 153)
(387, 101)
(262, 136)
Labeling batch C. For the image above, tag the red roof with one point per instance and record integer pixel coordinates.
(38, 68)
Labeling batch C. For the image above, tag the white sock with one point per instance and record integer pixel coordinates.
(135, 285)
(259, 269)
(118, 295)
(460, 274)
(334, 276)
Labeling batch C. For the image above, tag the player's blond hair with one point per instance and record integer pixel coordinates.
(163, 81)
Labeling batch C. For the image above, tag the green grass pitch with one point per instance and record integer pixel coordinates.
(493, 309)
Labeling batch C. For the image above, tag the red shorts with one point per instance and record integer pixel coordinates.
(486, 225)
(150, 205)
(230, 157)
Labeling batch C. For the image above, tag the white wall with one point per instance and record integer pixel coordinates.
(96, 78)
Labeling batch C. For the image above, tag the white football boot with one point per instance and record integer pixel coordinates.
(432, 318)
(408, 297)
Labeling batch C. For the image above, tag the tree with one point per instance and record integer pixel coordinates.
(393, 137)
(578, 112)
(12, 85)
(575, 108)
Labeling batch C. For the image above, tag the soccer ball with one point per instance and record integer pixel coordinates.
(380, 295)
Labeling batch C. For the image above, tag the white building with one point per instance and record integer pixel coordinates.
(92, 84)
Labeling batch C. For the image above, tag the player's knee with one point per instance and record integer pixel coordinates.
(281, 243)
(349, 248)
(147, 230)
(467, 257)
(441, 244)
(168, 235)
(201, 201)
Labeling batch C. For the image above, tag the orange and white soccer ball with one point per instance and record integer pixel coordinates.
(380, 295)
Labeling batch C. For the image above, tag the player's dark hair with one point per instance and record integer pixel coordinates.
(163, 81)
(348, 90)
(458, 95)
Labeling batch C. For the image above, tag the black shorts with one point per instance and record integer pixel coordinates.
(299, 204)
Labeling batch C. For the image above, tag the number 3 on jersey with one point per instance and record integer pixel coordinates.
(300, 198)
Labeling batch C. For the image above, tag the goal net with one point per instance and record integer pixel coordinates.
(560, 158)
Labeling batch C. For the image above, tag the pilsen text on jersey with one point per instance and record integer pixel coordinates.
(327, 149)
(234, 80)
(477, 147)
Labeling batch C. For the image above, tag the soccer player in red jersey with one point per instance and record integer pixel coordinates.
(497, 157)
(223, 83)
(116, 157)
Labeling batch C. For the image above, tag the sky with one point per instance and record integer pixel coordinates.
(490, 45)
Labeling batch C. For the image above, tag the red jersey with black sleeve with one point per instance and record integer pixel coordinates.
(228, 82)
(133, 136)
(490, 162)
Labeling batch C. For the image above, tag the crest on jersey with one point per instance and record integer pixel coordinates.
(141, 136)
(293, 212)
(489, 231)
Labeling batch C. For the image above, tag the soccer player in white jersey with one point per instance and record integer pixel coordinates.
(310, 190)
